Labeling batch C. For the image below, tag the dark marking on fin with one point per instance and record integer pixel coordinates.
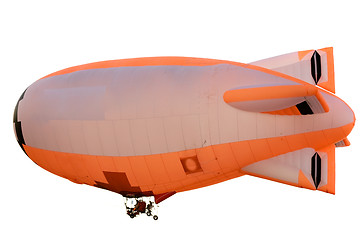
(316, 169)
(316, 67)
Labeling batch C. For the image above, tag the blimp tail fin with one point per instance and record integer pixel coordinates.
(328, 157)
(312, 66)
(305, 168)
(343, 143)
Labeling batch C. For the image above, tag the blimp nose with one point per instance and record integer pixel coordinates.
(17, 124)
(350, 117)
(343, 115)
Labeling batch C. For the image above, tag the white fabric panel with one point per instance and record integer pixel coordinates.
(340, 144)
(61, 136)
(304, 123)
(92, 139)
(300, 70)
(82, 78)
(191, 131)
(156, 133)
(123, 138)
(284, 125)
(120, 97)
(322, 121)
(46, 133)
(290, 64)
(265, 125)
(76, 135)
(174, 134)
(162, 106)
(340, 113)
(275, 168)
(247, 125)
(107, 138)
(314, 104)
(144, 93)
(140, 137)
(205, 131)
(304, 158)
(285, 167)
(214, 124)
(133, 96)
(228, 124)
(74, 103)
(140, 92)
(277, 61)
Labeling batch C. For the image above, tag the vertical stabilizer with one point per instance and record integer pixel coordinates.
(304, 168)
(312, 66)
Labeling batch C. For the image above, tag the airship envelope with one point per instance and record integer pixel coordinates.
(162, 125)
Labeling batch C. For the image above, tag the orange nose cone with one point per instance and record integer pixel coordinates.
(348, 128)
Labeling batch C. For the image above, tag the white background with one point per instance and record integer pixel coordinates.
(40, 37)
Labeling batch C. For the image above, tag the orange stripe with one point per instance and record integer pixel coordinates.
(242, 153)
(146, 61)
(302, 54)
(304, 181)
(295, 110)
(322, 101)
(346, 141)
(271, 179)
(166, 61)
(157, 169)
(331, 170)
(172, 176)
(330, 83)
(273, 92)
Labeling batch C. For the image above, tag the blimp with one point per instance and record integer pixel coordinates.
(147, 128)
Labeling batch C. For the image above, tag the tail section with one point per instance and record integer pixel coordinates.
(304, 168)
(312, 66)
(343, 143)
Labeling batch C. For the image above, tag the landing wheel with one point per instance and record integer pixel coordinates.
(148, 213)
(132, 215)
(155, 217)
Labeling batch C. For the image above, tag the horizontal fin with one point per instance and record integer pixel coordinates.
(328, 157)
(343, 143)
(328, 82)
(277, 99)
(304, 168)
(312, 66)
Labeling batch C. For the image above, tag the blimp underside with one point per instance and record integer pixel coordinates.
(156, 126)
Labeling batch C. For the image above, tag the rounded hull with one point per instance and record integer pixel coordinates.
(158, 125)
